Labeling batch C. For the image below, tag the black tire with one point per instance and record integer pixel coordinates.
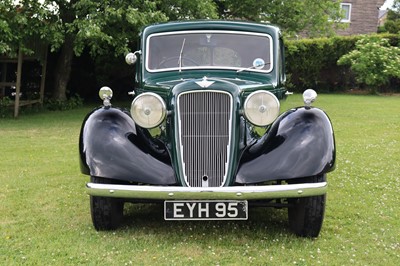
(306, 215)
(106, 212)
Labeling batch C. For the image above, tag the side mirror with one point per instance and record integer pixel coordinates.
(131, 58)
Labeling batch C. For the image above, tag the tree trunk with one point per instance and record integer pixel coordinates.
(63, 70)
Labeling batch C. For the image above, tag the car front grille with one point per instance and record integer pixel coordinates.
(205, 136)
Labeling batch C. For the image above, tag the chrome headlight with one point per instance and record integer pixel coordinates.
(261, 108)
(148, 110)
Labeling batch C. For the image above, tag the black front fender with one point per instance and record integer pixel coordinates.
(111, 146)
(300, 143)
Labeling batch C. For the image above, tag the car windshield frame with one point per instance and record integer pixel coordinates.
(180, 42)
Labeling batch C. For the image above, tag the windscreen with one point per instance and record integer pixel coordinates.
(209, 50)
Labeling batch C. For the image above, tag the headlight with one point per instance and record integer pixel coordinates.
(261, 108)
(148, 110)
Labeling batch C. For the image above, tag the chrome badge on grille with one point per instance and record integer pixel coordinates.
(204, 83)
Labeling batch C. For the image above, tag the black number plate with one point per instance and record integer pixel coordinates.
(205, 210)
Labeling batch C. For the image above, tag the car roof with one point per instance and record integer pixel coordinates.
(235, 25)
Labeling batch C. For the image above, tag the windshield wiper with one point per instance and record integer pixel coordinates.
(180, 55)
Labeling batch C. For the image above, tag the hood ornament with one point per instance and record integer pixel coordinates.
(204, 83)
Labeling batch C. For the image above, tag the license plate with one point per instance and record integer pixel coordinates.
(205, 210)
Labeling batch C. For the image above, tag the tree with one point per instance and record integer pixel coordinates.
(107, 25)
(6, 36)
(99, 26)
(396, 6)
(309, 16)
(19, 25)
(392, 23)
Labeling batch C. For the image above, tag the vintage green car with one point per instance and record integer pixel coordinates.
(204, 135)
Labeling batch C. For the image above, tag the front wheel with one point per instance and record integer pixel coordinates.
(106, 212)
(306, 215)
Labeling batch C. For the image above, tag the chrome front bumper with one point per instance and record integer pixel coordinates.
(207, 193)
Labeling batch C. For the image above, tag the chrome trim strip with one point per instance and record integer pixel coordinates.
(208, 193)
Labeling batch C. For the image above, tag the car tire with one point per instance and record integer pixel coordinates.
(106, 212)
(306, 215)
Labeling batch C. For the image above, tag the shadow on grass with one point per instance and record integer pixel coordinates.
(262, 222)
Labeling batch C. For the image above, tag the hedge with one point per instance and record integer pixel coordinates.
(312, 63)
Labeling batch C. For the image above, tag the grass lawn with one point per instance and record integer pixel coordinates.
(45, 219)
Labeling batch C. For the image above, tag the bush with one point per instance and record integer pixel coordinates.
(392, 26)
(374, 61)
(58, 105)
(5, 103)
(312, 63)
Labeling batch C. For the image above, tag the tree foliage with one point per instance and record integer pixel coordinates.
(105, 25)
(392, 24)
(20, 22)
(315, 18)
(99, 26)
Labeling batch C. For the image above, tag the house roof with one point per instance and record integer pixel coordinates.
(382, 13)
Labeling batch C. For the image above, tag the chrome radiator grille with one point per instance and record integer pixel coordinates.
(204, 135)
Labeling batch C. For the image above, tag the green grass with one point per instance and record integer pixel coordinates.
(45, 219)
